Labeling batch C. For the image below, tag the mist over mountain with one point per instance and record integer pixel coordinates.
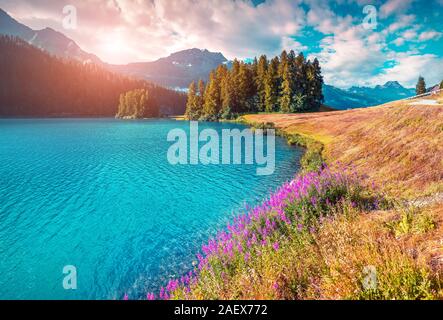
(47, 39)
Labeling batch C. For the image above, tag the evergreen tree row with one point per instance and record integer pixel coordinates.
(137, 104)
(34, 83)
(287, 84)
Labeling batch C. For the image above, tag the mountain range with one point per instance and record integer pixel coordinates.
(356, 97)
(176, 71)
(180, 68)
(48, 39)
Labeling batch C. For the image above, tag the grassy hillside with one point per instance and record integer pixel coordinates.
(367, 226)
(399, 146)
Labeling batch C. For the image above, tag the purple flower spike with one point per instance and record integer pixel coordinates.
(276, 246)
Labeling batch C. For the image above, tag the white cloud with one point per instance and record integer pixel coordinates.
(410, 34)
(399, 41)
(408, 67)
(139, 30)
(349, 53)
(289, 43)
(350, 58)
(239, 28)
(394, 7)
(325, 20)
(401, 23)
(428, 35)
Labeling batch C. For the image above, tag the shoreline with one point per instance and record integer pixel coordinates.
(312, 159)
(400, 240)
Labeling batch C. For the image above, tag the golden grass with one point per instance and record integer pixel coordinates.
(406, 266)
(330, 264)
(398, 146)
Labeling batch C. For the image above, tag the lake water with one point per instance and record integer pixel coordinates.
(99, 194)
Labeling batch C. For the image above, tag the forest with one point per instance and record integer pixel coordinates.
(288, 84)
(34, 83)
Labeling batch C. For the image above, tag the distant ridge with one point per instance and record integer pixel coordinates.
(47, 39)
(177, 70)
(357, 97)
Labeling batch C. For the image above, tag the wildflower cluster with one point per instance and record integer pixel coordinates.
(299, 206)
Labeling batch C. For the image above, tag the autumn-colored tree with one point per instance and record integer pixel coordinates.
(137, 104)
(246, 88)
(212, 98)
(191, 105)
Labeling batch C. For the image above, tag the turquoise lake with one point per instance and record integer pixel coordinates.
(100, 194)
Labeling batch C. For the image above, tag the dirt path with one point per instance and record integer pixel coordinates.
(426, 102)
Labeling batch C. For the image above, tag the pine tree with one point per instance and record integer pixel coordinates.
(122, 108)
(235, 87)
(227, 96)
(271, 86)
(200, 100)
(284, 60)
(246, 88)
(421, 86)
(221, 73)
(317, 84)
(191, 112)
(310, 85)
(254, 68)
(300, 83)
(212, 102)
(253, 95)
(286, 84)
(260, 81)
(137, 104)
(441, 84)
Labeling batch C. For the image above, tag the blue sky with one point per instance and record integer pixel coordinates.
(407, 40)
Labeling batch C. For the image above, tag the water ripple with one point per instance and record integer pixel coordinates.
(100, 195)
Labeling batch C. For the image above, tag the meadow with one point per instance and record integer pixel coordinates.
(364, 220)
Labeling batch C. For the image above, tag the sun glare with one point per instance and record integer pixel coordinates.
(113, 49)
